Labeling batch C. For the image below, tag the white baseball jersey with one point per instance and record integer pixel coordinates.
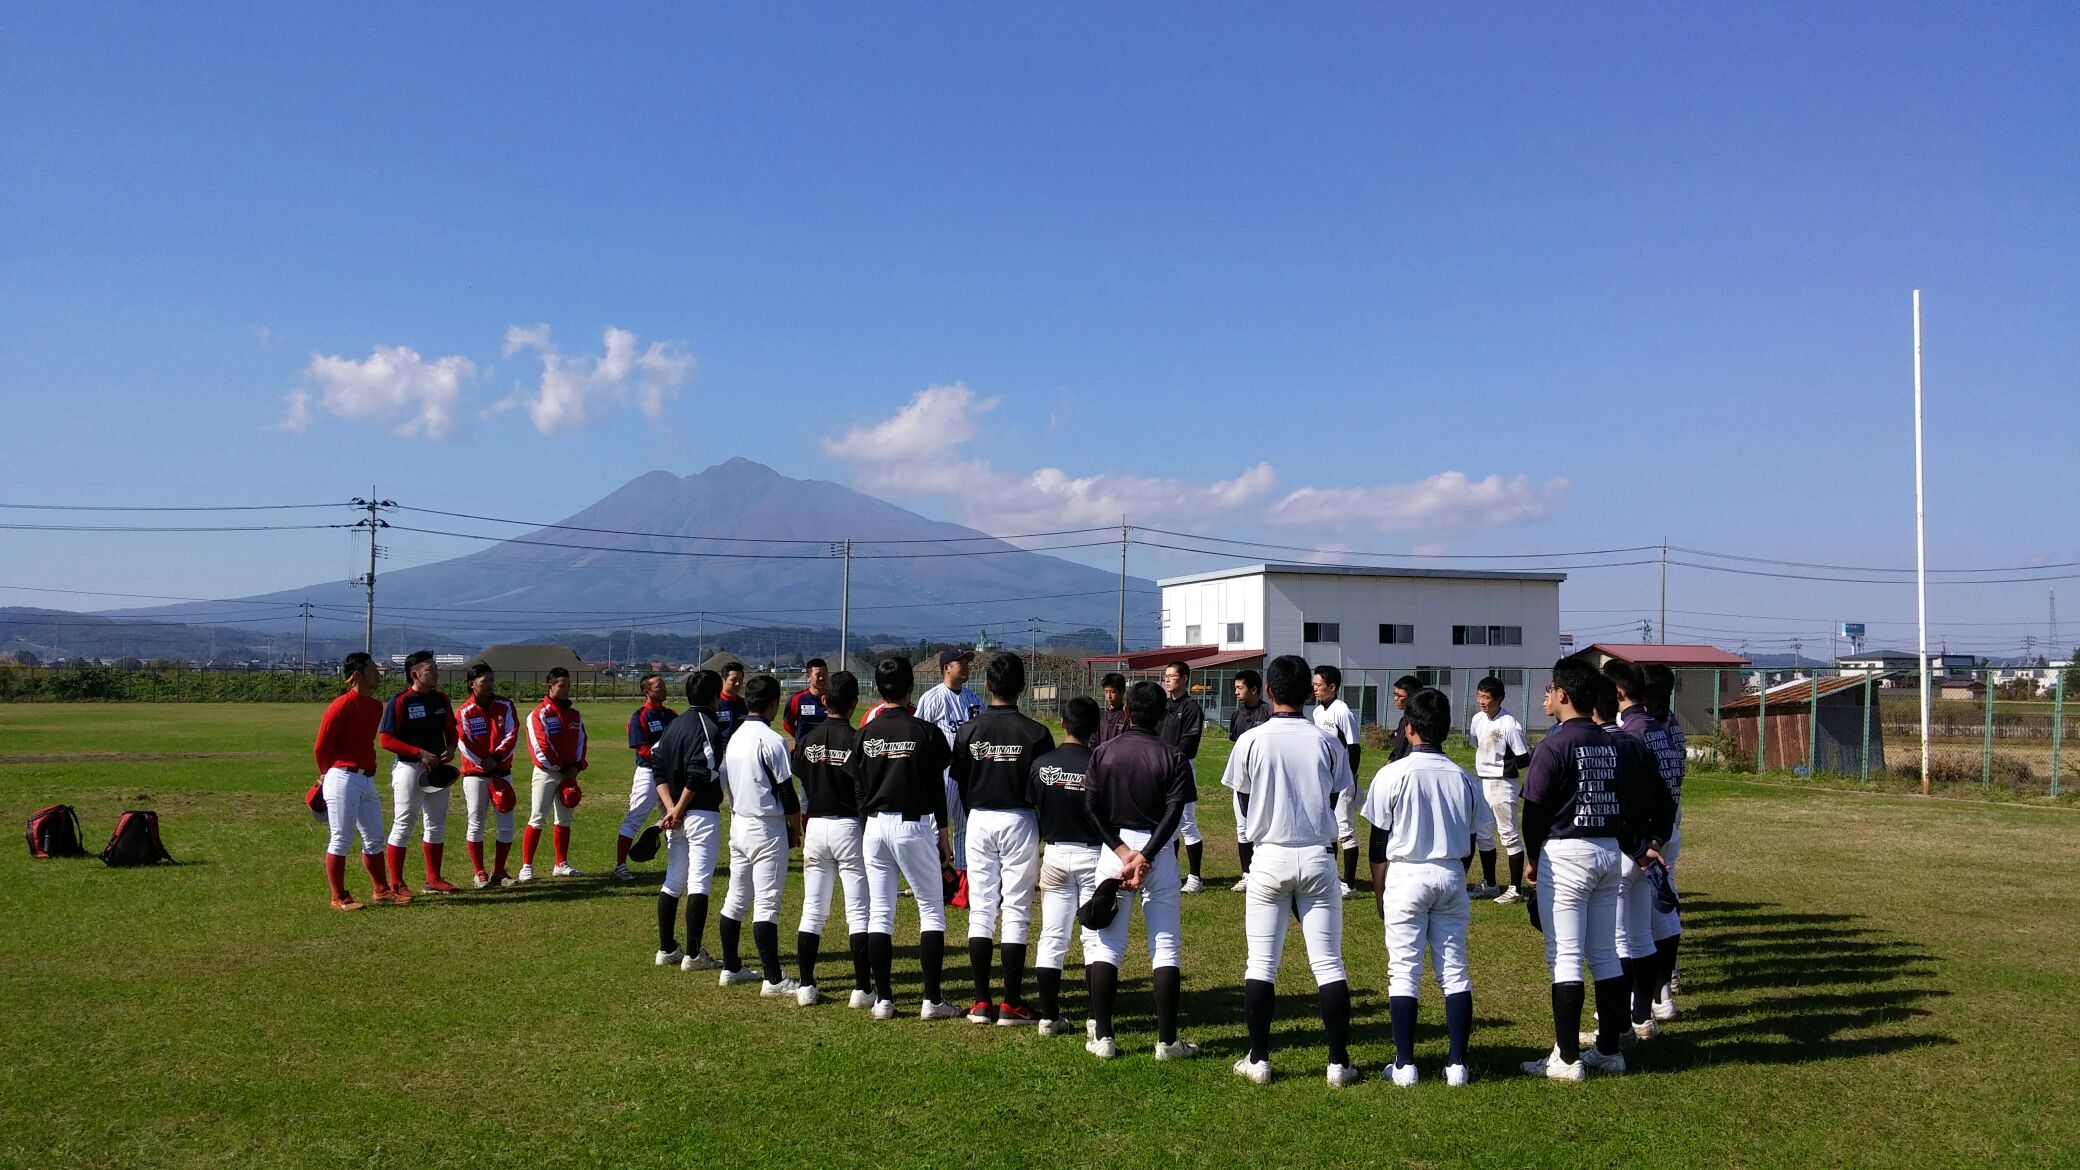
(755, 761)
(1492, 739)
(1335, 718)
(1294, 773)
(1427, 805)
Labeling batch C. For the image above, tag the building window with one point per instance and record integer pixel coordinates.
(1191, 635)
(1512, 676)
(1487, 635)
(1396, 635)
(1321, 631)
(1434, 676)
(1234, 631)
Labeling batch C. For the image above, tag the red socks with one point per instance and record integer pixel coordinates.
(563, 844)
(529, 838)
(433, 851)
(395, 854)
(476, 856)
(504, 847)
(373, 863)
(336, 876)
(621, 845)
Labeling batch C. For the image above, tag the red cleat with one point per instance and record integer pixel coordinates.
(382, 896)
(1011, 1015)
(346, 903)
(979, 1012)
(437, 885)
(401, 894)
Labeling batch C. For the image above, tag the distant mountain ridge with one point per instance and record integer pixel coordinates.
(552, 578)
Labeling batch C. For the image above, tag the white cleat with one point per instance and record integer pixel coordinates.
(1647, 1031)
(1241, 885)
(1192, 885)
(567, 870)
(807, 995)
(1348, 890)
(740, 975)
(1665, 1007)
(1105, 1049)
(673, 956)
(1090, 1029)
(939, 1011)
(622, 873)
(786, 987)
(1509, 897)
(481, 880)
(526, 874)
(883, 1010)
(1182, 1050)
(1455, 1075)
(1053, 1028)
(1626, 1039)
(1403, 1076)
(861, 999)
(1256, 1072)
(1341, 1075)
(1551, 1067)
(1613, 1063)
(700, 960)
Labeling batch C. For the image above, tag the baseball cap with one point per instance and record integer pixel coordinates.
(953, 654)
(1097, 914)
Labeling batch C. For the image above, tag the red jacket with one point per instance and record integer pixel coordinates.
(486, 734)
(347, 734)
(556, 734)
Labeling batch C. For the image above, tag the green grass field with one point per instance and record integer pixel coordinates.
(1869, 980)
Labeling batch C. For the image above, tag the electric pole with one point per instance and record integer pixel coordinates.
(1646, 629)
(844, 549)
(306, 607)
(1663, 627)
(371, 524)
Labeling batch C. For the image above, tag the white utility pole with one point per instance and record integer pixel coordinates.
(1920, 543)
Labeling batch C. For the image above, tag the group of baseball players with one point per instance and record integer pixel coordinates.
(969, 801)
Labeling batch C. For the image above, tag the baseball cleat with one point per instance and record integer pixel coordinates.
(770, 990)
(1403, 1076)
(807, 995)
(1625, 1040)
(979, 1012)
(401, 894)
(1054, 1027)
(1665, 1007)
(670, 958)
(502, 879)
(1646, 1031)
(381, 896)
(1612, 1063)
(1090, 1029)
(1241, 885)
(441, 886)
(740, 975)
(1192, 885)
(481, 879)
(526, 874)
(565, 869)
(1675, 978)
(1012, 1015)
(700, 960)
(1105, 1049)
(1181, 1050)
(883, 1010)
(622, 873)
(938, 1011)
(1341, 1075)
(861, 999)
(1551, 1067)
(1483, 891)
(1509, 897)
(1256, 1072)
(1455, 1075)
(346, 903)
(1348, 890)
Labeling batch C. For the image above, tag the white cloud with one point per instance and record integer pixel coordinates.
(392, 387)
(1445, 502)
(262, 335)
(936, 421)
(575, 392)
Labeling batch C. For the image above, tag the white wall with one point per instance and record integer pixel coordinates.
(1433, 605)
(1211, 605)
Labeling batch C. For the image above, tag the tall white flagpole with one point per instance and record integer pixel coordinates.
(1920, 543)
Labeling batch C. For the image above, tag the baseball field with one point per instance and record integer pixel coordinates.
(1868, 980)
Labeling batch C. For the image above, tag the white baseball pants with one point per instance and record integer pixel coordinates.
(1578, 903)
(1241, 818)
(1159, 910)
(642, 801)
(833, 853)
(1635, 911)
(543, 803)
(1068, 874)
(476, 799)
(1346, 824)
(1188, 828)
(1003, 868)
(1670, 924)
(351, 806)
(407, 804)
(1426, 906)
(1499, 822)
(957, 824)
(691, 852)
(757, 867)
(1283, 878)
(910, 849)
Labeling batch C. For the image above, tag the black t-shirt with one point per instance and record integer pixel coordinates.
(1057, 788)
(1574, 778)
(1138, 782)
(992, 754)
(1112, 723)
(819, 763)
(689, 754)
(1245, 718)
(899, 765)
(423, 719)
(1184, 721)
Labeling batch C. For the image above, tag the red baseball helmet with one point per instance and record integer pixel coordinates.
(315, 801)
(503, 798)
(570, 794)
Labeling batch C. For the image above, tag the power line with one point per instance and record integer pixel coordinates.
(168, 528)
(169, 507)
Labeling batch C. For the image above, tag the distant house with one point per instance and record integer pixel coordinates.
(1787, 736)
(533, 661)
(1960, 688)
(1697, 669)
(1902, 668)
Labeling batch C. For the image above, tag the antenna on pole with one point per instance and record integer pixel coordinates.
(1920, 544)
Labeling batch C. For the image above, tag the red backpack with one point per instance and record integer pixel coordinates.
(136, 840)
(54, 832)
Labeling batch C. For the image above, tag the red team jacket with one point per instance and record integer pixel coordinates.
(347, 734)
(486, 734)
(556, 734)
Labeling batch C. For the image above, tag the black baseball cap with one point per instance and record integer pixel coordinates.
(1097, 914)
(953, 654)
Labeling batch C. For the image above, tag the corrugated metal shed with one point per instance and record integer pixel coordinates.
(1790, 744)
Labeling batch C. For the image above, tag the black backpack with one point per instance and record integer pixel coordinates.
(54, 832)
(136, 840)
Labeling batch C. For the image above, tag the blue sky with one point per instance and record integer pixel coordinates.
(1661, 254)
